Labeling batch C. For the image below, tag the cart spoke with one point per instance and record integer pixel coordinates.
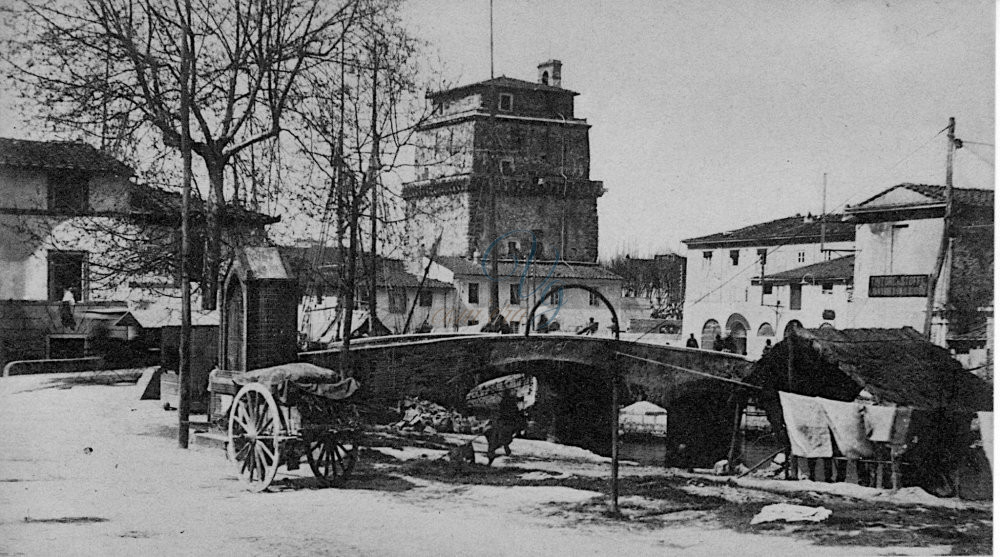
(266, 451)
(248, 460)
(267, 424)
(244, 449)
(241, 418)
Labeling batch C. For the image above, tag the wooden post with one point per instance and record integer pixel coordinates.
(614, 439)
(895, 471)
(737, 415)
(614, 406)
(792, 470)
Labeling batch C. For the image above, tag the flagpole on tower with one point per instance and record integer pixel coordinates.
(491, 39)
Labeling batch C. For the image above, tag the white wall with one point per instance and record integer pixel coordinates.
(894, 248)
(716, 289)
(25, 240)
(574, 312)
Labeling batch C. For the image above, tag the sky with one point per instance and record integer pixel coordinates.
(710, 116)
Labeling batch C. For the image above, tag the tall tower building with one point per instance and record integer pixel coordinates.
(520, 142)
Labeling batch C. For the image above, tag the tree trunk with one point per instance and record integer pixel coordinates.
(213, 235)
(349, 282)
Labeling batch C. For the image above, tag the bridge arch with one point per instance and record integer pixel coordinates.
(615, 327)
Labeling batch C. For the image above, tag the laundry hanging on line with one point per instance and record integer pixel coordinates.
(807, 427)
(846, 420)
(815, 423)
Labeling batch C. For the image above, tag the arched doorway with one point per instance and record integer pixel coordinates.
(709, 332)
(737, 326)
(234, 341)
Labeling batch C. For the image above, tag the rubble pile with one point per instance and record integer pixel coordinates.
(430, 417)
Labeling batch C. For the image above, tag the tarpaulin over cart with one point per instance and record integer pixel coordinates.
(311, 378)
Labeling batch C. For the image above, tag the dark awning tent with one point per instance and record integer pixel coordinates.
(897, 366)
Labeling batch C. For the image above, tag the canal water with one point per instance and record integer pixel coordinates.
(649, 452)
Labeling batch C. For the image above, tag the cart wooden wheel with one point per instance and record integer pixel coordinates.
(332, 456)
(254, 431)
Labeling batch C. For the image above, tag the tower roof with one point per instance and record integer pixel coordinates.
(503, 82)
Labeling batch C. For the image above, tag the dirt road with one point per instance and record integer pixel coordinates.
(87, 470)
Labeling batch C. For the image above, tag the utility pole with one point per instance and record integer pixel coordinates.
(373, 171)
(338, 176)
(945, 231)
(184, 367)
(491, 170)
(792, 470)
(822, 221)
(352, 270)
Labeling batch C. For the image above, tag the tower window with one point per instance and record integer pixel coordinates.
(506, 102)
(473, 292)
(515, 294)
(545, 78)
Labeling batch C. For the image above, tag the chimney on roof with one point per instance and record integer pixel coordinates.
(550, 73)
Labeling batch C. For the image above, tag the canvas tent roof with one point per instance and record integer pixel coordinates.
(895, 365)
(643, 408)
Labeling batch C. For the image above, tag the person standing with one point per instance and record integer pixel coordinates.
(719, 345)
(691, 342)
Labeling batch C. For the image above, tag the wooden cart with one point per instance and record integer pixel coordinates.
(284, 414)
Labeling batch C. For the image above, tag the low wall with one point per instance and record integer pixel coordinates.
(69, 365)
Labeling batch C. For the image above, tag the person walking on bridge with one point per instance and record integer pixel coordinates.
(589, 328)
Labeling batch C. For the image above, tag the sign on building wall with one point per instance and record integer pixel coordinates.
(897, 286)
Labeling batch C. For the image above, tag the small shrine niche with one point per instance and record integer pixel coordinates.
(259, 311)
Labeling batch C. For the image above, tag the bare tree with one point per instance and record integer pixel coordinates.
(111, 68)
(358, 118)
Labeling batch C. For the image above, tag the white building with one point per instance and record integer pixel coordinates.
(520, 288)
(898, 237)
(403, 301)
(724, 294)
(871, 269)
(79, 240)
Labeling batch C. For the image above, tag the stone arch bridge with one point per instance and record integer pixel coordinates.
(574, 373)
